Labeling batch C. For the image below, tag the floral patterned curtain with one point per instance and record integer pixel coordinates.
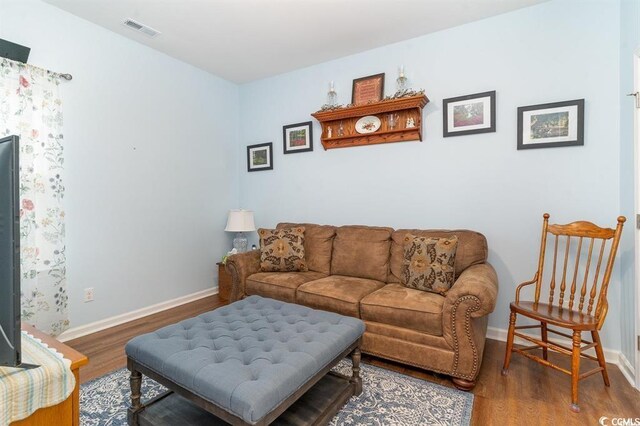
(30, 107)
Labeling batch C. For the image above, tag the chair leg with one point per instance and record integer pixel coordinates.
(575, 370)
(543, 334)
(508, 350)
(600, 353)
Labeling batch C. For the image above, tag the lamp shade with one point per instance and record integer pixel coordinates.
(240, 221)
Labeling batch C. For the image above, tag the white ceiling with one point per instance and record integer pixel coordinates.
(245, 40)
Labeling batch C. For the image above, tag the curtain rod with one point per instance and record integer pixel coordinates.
(66, 76)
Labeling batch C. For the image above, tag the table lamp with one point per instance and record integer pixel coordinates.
(240, 221)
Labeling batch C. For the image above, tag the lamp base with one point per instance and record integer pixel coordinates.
(240, 242)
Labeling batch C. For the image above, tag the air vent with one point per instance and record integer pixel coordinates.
(137, 26)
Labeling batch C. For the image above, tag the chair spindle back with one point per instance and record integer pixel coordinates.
(578, 279)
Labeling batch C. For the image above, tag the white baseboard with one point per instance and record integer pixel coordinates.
(611, 355)
(83, 330)
(627, 369)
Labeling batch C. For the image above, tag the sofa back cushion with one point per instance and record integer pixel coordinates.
(361, 251)
(472, 248)
(318, 243)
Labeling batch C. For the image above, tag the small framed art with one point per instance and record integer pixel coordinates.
(367, 89)
(260, 157)
(470, 114)
(551, 125)
(297, 137)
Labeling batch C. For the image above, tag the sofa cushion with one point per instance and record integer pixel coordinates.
(318, 243)
(472, 249)
(361, 251)
(337, 293)
(279, 285)
(397, 305)
(282, 250)
(428, 263)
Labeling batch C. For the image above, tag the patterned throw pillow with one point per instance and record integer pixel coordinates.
(282, 250)
(428, 263)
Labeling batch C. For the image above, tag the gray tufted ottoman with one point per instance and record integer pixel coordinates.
(255, 361)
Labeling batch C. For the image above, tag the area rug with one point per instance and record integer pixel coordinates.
(388, 398)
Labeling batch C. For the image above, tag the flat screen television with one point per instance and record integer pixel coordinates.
(10, 335)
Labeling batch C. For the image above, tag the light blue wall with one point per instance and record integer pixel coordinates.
(550, 52)
(629, 42)
(150, 162)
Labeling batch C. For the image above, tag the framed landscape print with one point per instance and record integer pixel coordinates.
(260, 157)
(551, 125)
(469, 115)
(297, 137)
(367, 89)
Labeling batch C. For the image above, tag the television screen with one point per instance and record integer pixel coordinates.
(9, 253)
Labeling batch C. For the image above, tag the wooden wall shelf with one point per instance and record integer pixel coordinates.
(404, 108)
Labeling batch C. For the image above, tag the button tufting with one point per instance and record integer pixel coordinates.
(250, 339)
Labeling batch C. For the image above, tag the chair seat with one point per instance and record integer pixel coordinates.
(561, 317)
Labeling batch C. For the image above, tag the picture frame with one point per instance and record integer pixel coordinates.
(551, 125)
(297, 137)
(469, 114)
(260, 157)
(367, 89)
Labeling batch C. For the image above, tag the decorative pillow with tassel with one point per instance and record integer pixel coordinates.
(428, 263)
(282, 250)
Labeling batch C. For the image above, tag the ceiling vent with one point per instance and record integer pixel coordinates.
(137, 26)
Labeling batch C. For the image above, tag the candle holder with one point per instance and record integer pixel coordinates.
(332, 95)
(401, 81)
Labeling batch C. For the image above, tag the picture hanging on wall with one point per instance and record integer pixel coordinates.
(470, 114)
(551, 125)
(260, 157)
(297, 137)
(367, 89)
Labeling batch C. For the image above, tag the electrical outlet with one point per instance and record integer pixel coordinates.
(88, 294)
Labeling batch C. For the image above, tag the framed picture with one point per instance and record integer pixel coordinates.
(469, 115)
(260, 157)
(297, 137)
(367, 89)
(551, 125)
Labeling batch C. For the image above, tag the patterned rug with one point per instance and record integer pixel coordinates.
(388, 398)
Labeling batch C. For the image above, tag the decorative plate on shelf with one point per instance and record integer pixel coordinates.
(368, 124)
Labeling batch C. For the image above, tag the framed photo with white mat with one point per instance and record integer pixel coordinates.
(297, 137)
(551, 125)
(470, 114)
(260, 157)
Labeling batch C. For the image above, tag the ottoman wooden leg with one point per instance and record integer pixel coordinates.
(355, 375)
(136, 381)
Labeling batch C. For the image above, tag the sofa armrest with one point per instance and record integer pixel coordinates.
(240, 266)
(464, 317)
(478, 281)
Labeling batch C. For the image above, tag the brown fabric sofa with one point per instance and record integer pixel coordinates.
(355, 270)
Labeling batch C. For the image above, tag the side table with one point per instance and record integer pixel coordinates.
(68, 411)
(224, 282)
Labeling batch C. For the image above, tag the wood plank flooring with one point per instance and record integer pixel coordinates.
(105, 348)
(530, 395)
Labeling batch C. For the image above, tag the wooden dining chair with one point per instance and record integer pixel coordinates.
(569, 285)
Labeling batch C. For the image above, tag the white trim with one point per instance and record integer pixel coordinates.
(611, 355)
(627, 369)
(636, 186)
(83, 330)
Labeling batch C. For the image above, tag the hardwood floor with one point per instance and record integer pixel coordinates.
(105, 349)
(530, 395)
